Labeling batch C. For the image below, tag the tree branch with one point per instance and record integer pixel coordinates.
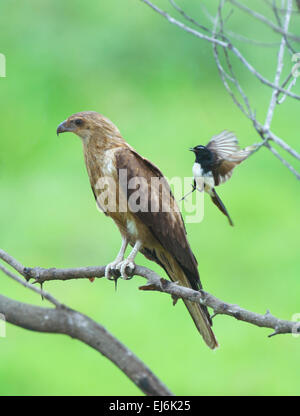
(227, 45)
(264, 20)
(183, 26)
(219, 39)
(157, 283)
(63, 320)
(279, 67)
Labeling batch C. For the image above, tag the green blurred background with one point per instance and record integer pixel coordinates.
(160, 86)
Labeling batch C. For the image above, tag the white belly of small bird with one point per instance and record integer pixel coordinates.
(204, 181)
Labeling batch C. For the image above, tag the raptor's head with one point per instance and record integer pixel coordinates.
(87, 124)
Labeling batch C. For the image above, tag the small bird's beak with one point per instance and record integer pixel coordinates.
(191, 149)
(62, 128)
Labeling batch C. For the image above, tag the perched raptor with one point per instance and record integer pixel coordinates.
(214, 165)
(153, 226)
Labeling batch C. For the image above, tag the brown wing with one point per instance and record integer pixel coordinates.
(222, 171)
(167, 227)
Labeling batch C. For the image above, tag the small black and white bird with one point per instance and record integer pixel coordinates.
(214, 165)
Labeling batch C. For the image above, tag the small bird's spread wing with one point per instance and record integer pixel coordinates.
(223, 145)
(167, 227)
(228, 155)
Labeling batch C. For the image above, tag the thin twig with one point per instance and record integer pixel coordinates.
(223, 73)
(228, 45)
(245, 39)
(279, 9)
(188, 18)
(264, 20)
(238, 36)
(268, 135)
(290, 86)
(219, 39)
(282, 160)
(35, 289)
(183, 26)
(275, 10)
(258, 75)
(279, 68)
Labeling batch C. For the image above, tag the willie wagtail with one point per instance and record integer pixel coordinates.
(214, 165)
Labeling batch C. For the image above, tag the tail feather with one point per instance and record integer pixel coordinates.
(202, 323)
(199, 313)
(217, 201)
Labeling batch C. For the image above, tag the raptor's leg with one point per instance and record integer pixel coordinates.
(118, 260)
(129, 262)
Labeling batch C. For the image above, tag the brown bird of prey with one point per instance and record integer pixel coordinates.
(159, 234)
(214, 165)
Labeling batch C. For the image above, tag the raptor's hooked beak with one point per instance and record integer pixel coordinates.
(63, 127)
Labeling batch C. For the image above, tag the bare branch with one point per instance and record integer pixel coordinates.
(41, 292)
(219, 20)
(224, 75)
(219, 39)
(228, 45)
(76, 325)
(258, 75)
(290, 86)
(268, 135)
(279, 68)
(182, 26)
(238, 36)
(281, 10)
(263, 19)
(157, 283)
(275, 10)
(271, 136)
(243, 38)
(282, 160)
(222, 308)
(63, 320)
(188, 18)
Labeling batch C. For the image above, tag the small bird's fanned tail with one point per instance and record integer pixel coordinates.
(198, 312)
(217, 201)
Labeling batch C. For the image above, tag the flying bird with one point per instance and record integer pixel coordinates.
(159, 234)
(214, 164)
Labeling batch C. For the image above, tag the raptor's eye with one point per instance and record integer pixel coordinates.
(78, 122)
